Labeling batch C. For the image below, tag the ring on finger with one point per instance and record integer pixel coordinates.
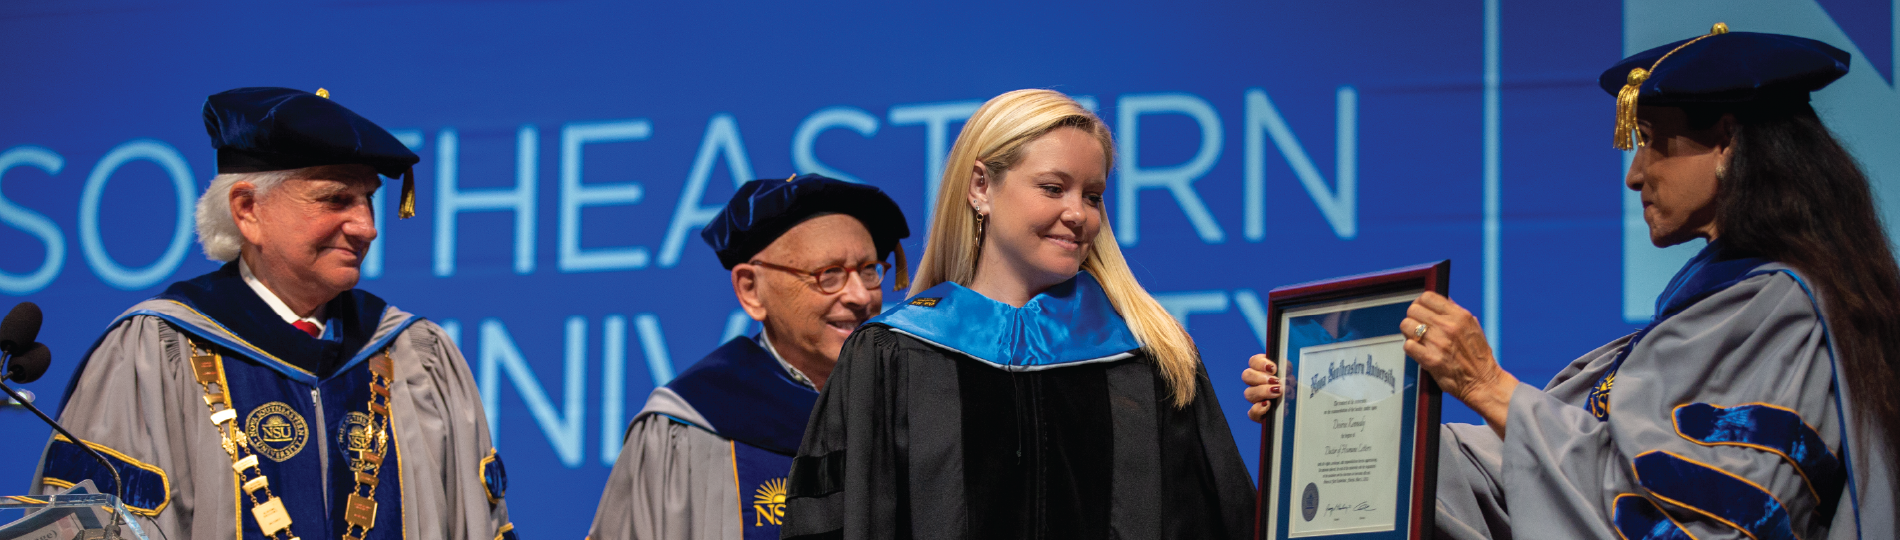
(1420, 330)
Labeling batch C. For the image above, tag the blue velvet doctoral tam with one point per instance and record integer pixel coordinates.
(764, 209)
(274, 129)
(1734, 67)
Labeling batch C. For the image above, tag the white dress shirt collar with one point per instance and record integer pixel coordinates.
(277, 304)
(793, 372)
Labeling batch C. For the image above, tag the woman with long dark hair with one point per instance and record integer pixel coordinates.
(1761, 400)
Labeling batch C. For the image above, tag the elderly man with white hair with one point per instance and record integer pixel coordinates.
(708, 456)
(271, 398)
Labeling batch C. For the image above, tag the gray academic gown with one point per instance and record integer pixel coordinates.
(708, 456)
(672, 480)
(1559, 472)
(137, 396)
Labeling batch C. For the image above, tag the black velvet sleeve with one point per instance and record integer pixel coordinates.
(1226, 475)
(843, 477)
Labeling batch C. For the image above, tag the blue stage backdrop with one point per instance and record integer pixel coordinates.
(572, 149)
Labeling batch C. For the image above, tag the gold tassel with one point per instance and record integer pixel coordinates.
(903, 269)
(1626, 109)
(1626, 98)
(408, 208)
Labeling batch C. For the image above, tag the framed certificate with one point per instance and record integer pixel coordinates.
(1351, 450)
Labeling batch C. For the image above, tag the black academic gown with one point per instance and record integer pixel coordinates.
(956, 416)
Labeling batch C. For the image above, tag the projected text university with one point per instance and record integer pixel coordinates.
(491, 349)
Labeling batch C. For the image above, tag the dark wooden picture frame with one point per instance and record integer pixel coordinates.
(1424, 401)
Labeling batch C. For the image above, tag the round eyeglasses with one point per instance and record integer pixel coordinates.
(831, 279)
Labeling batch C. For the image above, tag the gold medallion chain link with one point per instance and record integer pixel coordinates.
(360, 510)
(272, 518)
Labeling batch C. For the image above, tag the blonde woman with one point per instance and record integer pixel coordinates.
(1029, 387)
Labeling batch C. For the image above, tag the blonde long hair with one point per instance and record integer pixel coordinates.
(995, 135)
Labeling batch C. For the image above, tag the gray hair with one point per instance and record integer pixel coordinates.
(217, 229)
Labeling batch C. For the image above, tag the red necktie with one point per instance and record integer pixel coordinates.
(308, 328)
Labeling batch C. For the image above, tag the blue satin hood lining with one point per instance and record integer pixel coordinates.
(1071, 323)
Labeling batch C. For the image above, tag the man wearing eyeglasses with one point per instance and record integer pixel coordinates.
(708, 455)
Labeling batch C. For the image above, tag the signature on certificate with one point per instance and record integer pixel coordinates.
(1362, 506)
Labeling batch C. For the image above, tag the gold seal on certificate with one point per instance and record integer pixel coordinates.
(1351, 449)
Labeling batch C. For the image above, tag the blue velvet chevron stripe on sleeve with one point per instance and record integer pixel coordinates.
(1714, 493)
(147, 489)
(1637, 518)
(1771, 429)
(494, 477)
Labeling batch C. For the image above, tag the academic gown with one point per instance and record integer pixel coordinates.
(1724, 418)
(303, 401)
(956, 416)
(707, 457)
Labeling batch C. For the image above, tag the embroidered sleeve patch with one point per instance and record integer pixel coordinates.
(494, 477)
(147, 488)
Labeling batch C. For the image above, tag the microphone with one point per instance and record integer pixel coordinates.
(26, 364)
(29, 365)
(20, 328)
